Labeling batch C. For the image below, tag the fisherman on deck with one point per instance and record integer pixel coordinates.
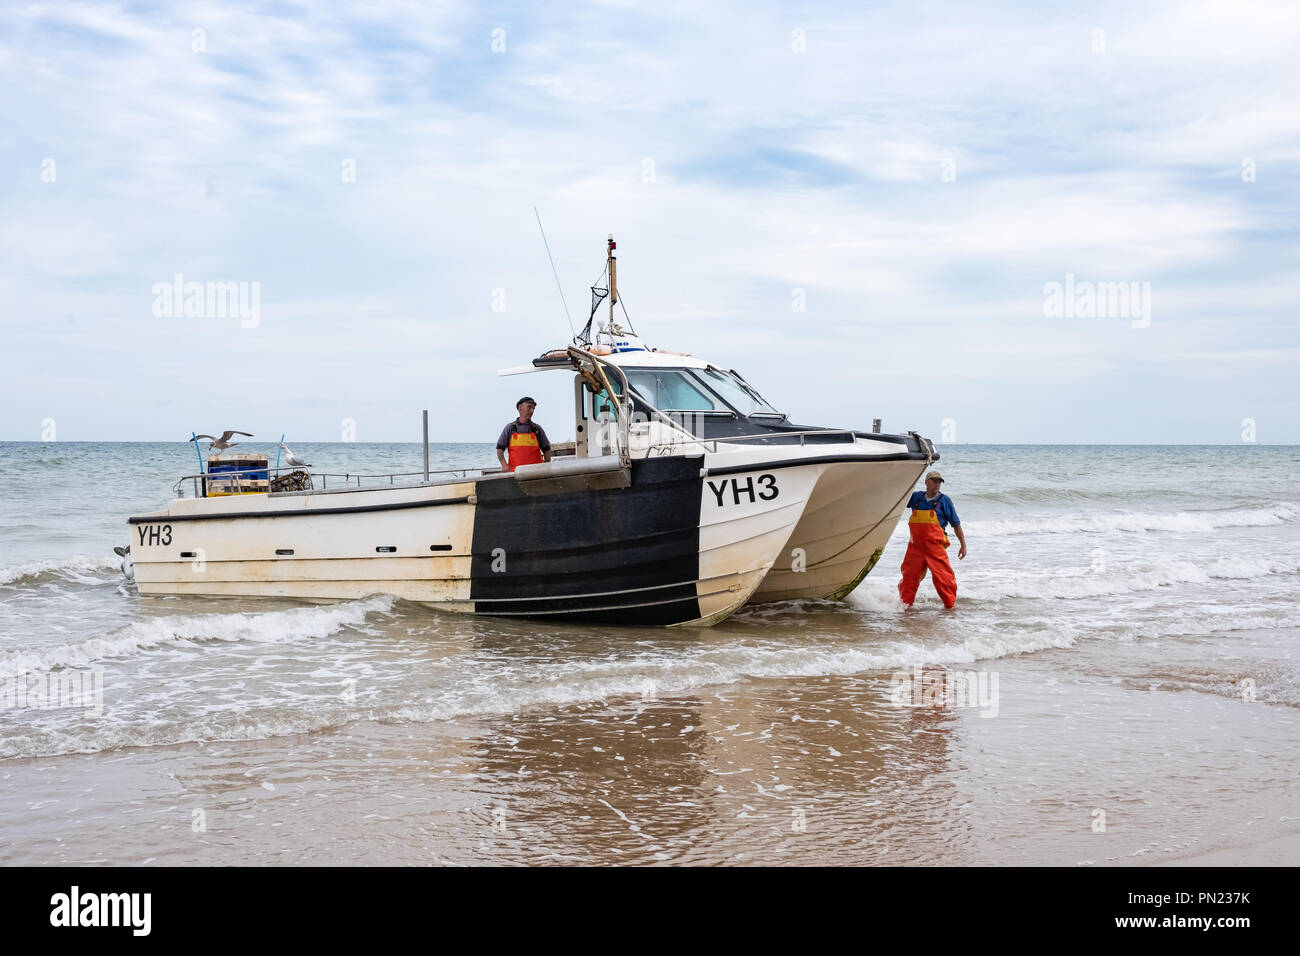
(932, 511)
(523, 439)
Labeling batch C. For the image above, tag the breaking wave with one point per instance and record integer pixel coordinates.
(1018, 496)
(1086, 583)
(75, 568)
(487, 688)
(269, 627)
(1273, 514)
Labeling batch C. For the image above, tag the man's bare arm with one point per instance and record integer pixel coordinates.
(961, 536)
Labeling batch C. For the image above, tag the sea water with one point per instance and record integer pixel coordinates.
(1118, 684)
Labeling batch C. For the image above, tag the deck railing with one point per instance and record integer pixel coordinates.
(199, 482)
(775, 438)
(232, 479)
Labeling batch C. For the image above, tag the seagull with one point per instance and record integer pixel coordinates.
(224, 441)
(128, 566)
(291, 459)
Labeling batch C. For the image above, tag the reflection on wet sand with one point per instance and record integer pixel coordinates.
(590, 783)
(820, 770)
(801, 771)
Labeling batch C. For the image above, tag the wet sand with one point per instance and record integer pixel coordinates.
(799, 771)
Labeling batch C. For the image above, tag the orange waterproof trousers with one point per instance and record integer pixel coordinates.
(927, 550)
(524, 450)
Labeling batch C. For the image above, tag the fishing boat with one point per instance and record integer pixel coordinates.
(684, 496)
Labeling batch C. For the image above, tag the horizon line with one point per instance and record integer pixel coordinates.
(301, 441)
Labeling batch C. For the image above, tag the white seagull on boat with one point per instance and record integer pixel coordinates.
(291, 459)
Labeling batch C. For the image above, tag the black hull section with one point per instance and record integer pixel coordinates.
(617, 556)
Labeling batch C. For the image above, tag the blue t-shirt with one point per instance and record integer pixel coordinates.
(942, 507)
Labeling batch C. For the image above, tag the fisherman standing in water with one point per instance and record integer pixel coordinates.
(932, 511)
(523, 438)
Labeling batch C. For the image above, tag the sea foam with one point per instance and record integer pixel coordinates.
(1274, 514)
(75, 567)
(268, 627)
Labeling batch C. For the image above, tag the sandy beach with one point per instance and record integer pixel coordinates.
(798, 771)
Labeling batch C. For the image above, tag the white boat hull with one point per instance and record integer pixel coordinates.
(842, 533)
(646, 554)
(682, 539)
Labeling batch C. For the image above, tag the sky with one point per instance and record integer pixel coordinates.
(870, 211)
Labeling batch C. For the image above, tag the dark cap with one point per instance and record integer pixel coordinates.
(526, 398)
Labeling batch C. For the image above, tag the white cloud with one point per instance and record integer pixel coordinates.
(773, 170)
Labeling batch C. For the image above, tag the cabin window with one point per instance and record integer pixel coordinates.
(671, 390)
(735, 392)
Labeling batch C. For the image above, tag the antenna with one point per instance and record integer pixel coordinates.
(613, 279)
(553, 272)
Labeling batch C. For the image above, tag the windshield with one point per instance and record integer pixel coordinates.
(697, 390)
(672, 390)
(735, 392)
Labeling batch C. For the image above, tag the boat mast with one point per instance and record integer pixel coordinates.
(613, 280)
